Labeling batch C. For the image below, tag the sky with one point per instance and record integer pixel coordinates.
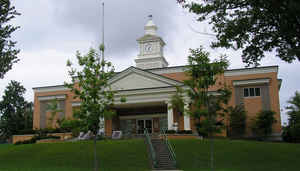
(52, 31)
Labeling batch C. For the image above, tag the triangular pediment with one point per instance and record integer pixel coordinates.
(134, 78)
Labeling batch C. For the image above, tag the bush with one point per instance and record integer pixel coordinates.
(237, 121)
(185, 132)
(27, 131)
(44, 131)
(202, 131)
(72, 125)
(179, 132)
(170, 132)
(291, 133)
(36, 138)
(262, 124)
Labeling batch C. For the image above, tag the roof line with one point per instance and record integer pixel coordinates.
(182, 66)
(159, 75)
(48, 86)
(149, 73)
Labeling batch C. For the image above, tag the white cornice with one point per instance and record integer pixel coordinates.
(251, 82)
(168, 70)
(74, 104)
(233, 72)
(58, 97)
(142, 116)
(150, 75)
(248, 71)
(50, 89)
(143, 95)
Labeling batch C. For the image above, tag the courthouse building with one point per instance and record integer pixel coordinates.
(149, 86)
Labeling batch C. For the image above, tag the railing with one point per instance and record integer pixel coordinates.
(170, 147)
(152, 151)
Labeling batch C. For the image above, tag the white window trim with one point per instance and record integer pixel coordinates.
(58, 97)
(251, 82)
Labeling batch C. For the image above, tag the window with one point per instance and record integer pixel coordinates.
(257, 91)
(251, 92)
(246, 92)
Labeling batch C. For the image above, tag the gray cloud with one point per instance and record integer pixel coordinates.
(124, 20)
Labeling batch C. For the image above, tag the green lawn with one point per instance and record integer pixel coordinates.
(234, 155)
(120, 155)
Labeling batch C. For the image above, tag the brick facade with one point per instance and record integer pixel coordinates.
(269, 99)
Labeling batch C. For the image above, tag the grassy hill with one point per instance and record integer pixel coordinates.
(123, 155)
(234, 155)
(75, 156)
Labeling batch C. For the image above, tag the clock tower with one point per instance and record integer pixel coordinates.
(151, 48)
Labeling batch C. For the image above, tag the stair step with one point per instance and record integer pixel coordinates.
(163, 155)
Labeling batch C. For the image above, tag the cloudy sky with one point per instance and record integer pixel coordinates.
(52, 31)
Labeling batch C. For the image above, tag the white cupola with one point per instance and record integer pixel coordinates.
(151, 48)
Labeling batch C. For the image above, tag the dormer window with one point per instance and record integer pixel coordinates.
(251, 92)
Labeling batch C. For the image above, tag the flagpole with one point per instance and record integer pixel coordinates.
(103, 30)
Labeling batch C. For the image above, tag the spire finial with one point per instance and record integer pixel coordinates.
(150, 27)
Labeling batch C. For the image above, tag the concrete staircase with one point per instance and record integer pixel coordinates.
(162, 154)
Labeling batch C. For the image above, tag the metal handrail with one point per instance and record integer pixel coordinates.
(152, 151)
(170, 147)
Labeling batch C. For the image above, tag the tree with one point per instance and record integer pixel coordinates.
(203, 74)
(208, 107)
(256, 26)
(8, 53)
(15, 112)
(177, 101)
(54, 110)
(262, 124)
(237, 121)
(90, 85)
(291, 132)
(28, 117)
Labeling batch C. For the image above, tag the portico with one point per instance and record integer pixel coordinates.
(147, 103)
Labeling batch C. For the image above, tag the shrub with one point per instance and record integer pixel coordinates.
(291, 133)
(202, 131)
(170, 132)
(185, 132)
(262, 124)
(73, 125)
(36, 138)
(237, 121)
(26, 131)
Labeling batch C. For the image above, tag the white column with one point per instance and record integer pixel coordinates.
(170, 117)
(101, 125)
(187, 124)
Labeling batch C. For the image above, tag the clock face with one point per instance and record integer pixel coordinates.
(148, 47)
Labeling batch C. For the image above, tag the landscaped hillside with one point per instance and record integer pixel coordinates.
(76, 156)
(234, 155)
(122, 155)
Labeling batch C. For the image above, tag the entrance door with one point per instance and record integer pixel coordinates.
(142, 124)
(148, 125)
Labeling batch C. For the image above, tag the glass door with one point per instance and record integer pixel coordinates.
(142, 124)
(148, 125)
